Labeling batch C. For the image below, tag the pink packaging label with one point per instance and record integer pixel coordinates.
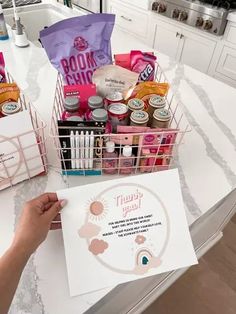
(81, 91)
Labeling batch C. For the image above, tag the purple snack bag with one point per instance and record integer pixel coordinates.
(77, 46)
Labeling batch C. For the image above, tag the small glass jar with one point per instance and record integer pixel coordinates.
(99, 115)
(94, 102)
(135, 104)
(139, 118)
(161, 118)
(10, 108)
(71, 105)
(155, 102)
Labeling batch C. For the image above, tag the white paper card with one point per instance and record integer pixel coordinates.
(15, 139)
(125, 229)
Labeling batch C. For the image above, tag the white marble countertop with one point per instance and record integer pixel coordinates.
(232, 16)
(206, 163)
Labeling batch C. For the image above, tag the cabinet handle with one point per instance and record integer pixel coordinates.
(126, 18)
(177, 34)
(181, 36)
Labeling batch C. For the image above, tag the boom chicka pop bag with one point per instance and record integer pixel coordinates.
(77, 46)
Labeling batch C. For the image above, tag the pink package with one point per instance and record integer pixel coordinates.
(2, 69)
(144, 64)
(126, 137)
(81, 91)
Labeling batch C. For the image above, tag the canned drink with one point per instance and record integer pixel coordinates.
(114, 97)
(118, 115)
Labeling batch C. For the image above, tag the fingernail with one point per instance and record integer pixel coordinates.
(63, 203)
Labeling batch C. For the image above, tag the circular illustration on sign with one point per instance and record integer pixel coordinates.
(126, 228)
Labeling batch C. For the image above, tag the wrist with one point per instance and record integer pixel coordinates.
(21, 248)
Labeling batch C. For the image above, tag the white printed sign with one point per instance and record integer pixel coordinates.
(126, 229)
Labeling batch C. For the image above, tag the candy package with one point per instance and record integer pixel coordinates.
(145, 90)
(76, 47)
(8, 92)
(113, 78)
(144, 64)
(2, 69)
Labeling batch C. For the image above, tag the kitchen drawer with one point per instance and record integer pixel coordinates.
(230, 33)
(227, 63)
(132, 20)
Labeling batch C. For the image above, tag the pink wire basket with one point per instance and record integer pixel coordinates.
(24, 167)
(148, 157)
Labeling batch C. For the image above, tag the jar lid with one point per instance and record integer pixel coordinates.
(95, 102)
(99, 115)
(157, 101)
(117, 108)
(162, 114)
(10, 108)
(135, 104)
(71, 103)
(75, 118)
(139, 116)
(115, 96)
(127, 151)
(110, 146)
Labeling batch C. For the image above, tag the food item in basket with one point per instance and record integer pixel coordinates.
(135, 104)
(118, 115)
(144, 64)
(72, 108)
(77, 46)
(145, 90)
(112, 98)
(10, 108)
(161, 118)
(113, 78)
(2, 69)
(155, 102)
(94, 102)
(139, 118)
(123, 59)
(8, 92)
(83, 92)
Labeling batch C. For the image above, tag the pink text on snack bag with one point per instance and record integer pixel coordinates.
(79, 69)
(129, 202)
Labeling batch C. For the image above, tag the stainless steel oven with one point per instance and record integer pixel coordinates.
(94, 6)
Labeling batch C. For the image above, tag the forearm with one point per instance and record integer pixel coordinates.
(12, 264)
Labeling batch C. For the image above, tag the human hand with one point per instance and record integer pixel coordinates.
(36, 220)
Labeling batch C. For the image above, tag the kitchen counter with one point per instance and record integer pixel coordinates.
(232, 17)
(206, 163)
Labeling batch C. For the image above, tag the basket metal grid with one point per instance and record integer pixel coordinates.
(150, 157)
(23, 167)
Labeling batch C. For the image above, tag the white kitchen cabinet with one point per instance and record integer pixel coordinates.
(196, 51)
(130, 18)
(227, 63)
(166, 39)
(184, 46)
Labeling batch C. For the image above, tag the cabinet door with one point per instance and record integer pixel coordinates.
(130, 19)
(166, 39)
(196, 51)
(227, 63)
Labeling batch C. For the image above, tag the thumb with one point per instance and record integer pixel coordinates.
(55, 209)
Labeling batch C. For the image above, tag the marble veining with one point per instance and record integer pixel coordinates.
(27, 299)
(212, 153)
